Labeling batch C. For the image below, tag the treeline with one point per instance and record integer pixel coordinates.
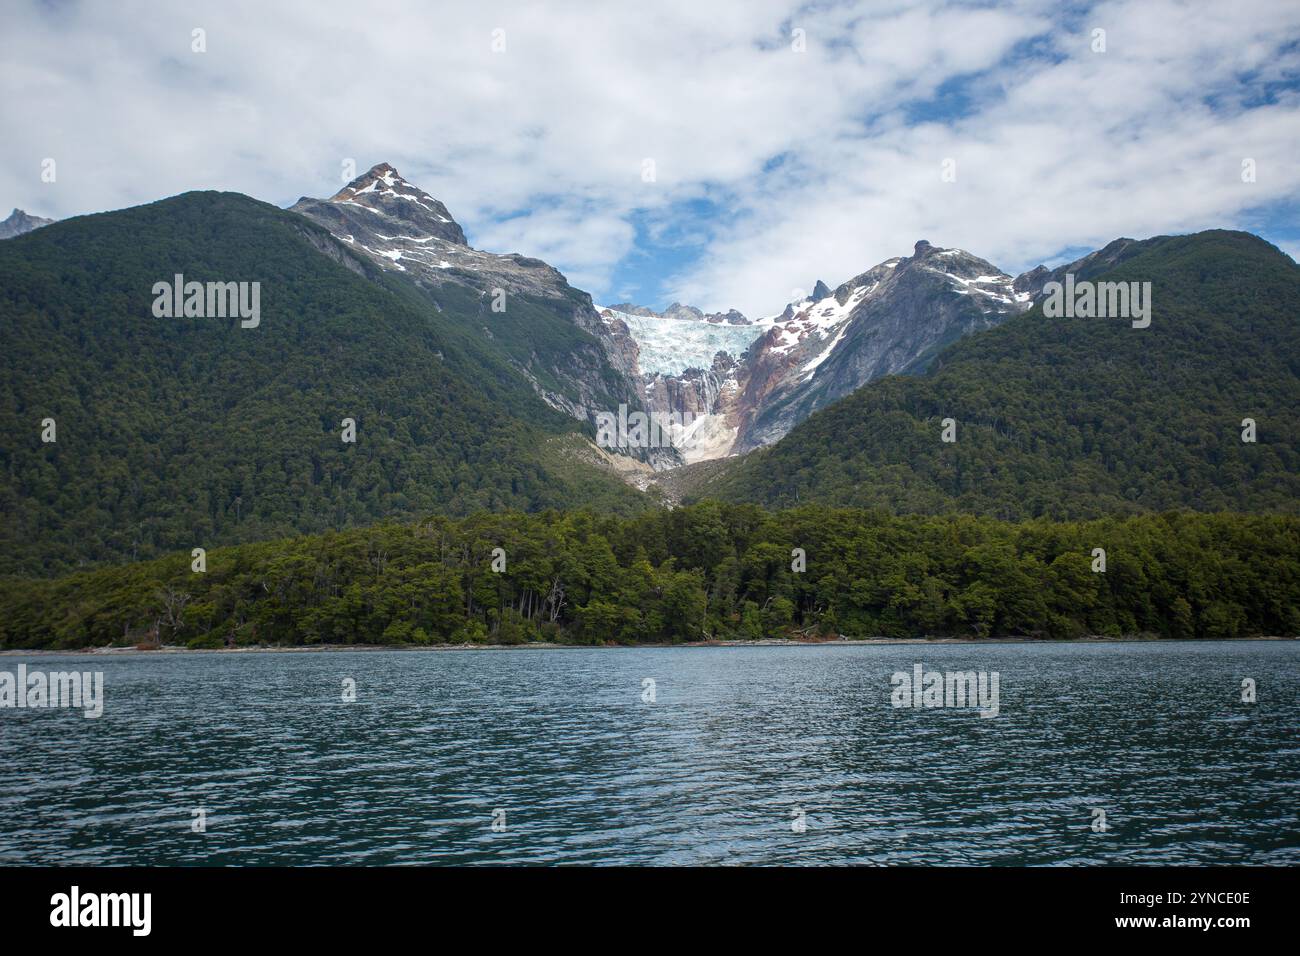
(707, 571)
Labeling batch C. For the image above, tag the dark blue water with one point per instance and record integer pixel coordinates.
(736, 742)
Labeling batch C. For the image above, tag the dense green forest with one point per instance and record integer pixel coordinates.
(1078, 417)
(182, 431)
(1072, 435)
(707, 571)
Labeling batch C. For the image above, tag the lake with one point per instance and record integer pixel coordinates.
(1100, 753)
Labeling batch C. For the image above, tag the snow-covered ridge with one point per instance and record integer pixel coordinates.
(998, 286)
(816, 320)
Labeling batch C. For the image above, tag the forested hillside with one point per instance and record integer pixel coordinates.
(173, 433)
(706, 571)
(1077, 417)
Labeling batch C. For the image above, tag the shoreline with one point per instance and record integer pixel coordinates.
(544, 646)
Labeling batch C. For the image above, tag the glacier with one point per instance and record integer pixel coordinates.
(671, 346)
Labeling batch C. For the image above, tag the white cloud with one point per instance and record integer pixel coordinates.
(539, 149)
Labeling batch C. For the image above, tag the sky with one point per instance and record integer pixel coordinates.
(725, 154)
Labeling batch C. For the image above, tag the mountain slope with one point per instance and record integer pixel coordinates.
(547, 330)
(174, 433)
(1078, 417)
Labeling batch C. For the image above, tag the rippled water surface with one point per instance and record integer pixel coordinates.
(713, 771)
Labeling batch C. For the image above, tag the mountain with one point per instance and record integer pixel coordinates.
(744, 383)
(19, 222)
(891, 319)
(174, 433)
(734, 383)
(547, 330)
(1077, 417)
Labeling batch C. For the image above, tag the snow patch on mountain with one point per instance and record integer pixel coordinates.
(813, 321)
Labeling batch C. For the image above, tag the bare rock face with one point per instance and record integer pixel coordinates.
(20, 222)
(691, 394)
(695, 392)
(704, 401)
(621, 345)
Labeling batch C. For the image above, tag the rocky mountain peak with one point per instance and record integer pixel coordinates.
(682, 313)
(405, 229)
(20, 222)
(956, 267)
(377, 178)
(820, 291)
(382, 190)
(1033, 280)
(685, 313)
